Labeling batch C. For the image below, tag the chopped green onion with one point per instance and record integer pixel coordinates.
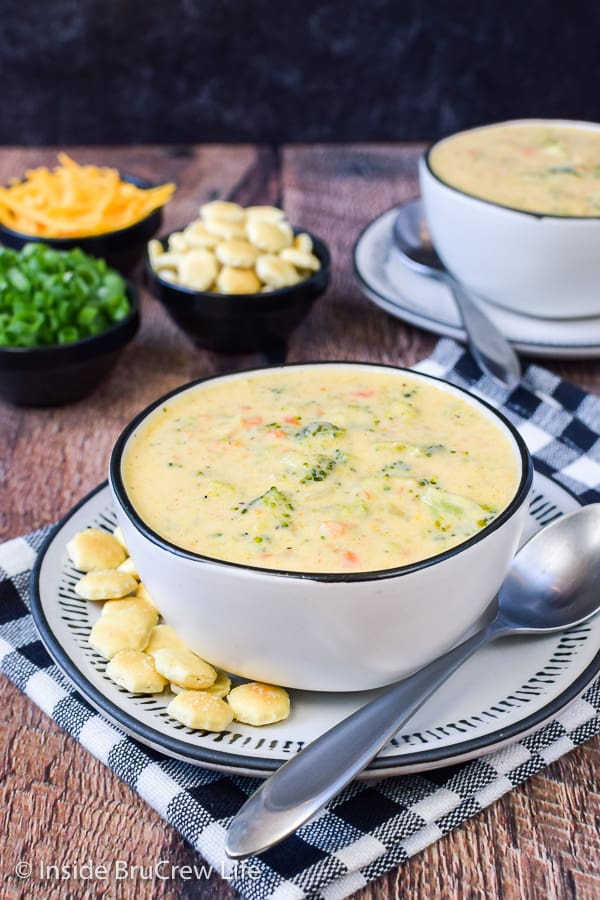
(51, 296)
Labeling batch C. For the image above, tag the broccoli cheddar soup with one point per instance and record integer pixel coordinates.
(541, 167)
(319, 469)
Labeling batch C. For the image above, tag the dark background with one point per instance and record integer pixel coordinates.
(117, 71)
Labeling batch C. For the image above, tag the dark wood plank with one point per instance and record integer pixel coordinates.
(530, 843)
(52, 457)
(335, 191)
(58, 804)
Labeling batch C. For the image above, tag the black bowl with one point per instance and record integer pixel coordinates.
(121, 249)
(241, 323)
(63, 373)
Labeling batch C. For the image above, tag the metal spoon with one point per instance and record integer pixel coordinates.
(553, 583)
(488, 345)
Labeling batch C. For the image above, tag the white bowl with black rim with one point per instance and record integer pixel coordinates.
(324, 631)
(535, 263)
(501, 694)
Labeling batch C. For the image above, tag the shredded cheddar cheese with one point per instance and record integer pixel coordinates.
(76, 200)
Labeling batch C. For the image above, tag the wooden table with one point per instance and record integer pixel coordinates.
(61, 805)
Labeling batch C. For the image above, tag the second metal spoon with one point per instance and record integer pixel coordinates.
(488, 345)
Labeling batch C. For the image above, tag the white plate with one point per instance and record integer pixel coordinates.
(414, 298)
(502, 693)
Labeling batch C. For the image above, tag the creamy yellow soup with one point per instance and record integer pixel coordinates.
(542, 168)
(319, 469)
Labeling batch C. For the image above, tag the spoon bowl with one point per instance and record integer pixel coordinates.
(554, 582)
(413, 240)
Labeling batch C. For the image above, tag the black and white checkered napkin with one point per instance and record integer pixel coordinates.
(371, 827)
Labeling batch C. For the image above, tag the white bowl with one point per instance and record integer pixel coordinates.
(541, 265)
(327, 632)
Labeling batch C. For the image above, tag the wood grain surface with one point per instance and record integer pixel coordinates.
(61, 806)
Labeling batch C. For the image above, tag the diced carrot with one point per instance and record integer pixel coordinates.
(276, 433)
(350, 557)
(251, 420)
(333, 529)
(292, 420)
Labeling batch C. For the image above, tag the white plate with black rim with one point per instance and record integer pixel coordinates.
(422, 301)
(503, 693)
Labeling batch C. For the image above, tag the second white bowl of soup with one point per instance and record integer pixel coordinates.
(322, 526)
(514, 212)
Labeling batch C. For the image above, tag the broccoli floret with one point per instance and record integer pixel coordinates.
(321, 466)
(430, 449)
(397, 468)
(313, 428)
(276, 503)
(456, 511)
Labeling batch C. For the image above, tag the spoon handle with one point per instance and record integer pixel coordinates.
(297, 790)
(488, 345)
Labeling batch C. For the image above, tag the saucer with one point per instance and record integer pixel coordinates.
(501, 694)
(422, 301)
